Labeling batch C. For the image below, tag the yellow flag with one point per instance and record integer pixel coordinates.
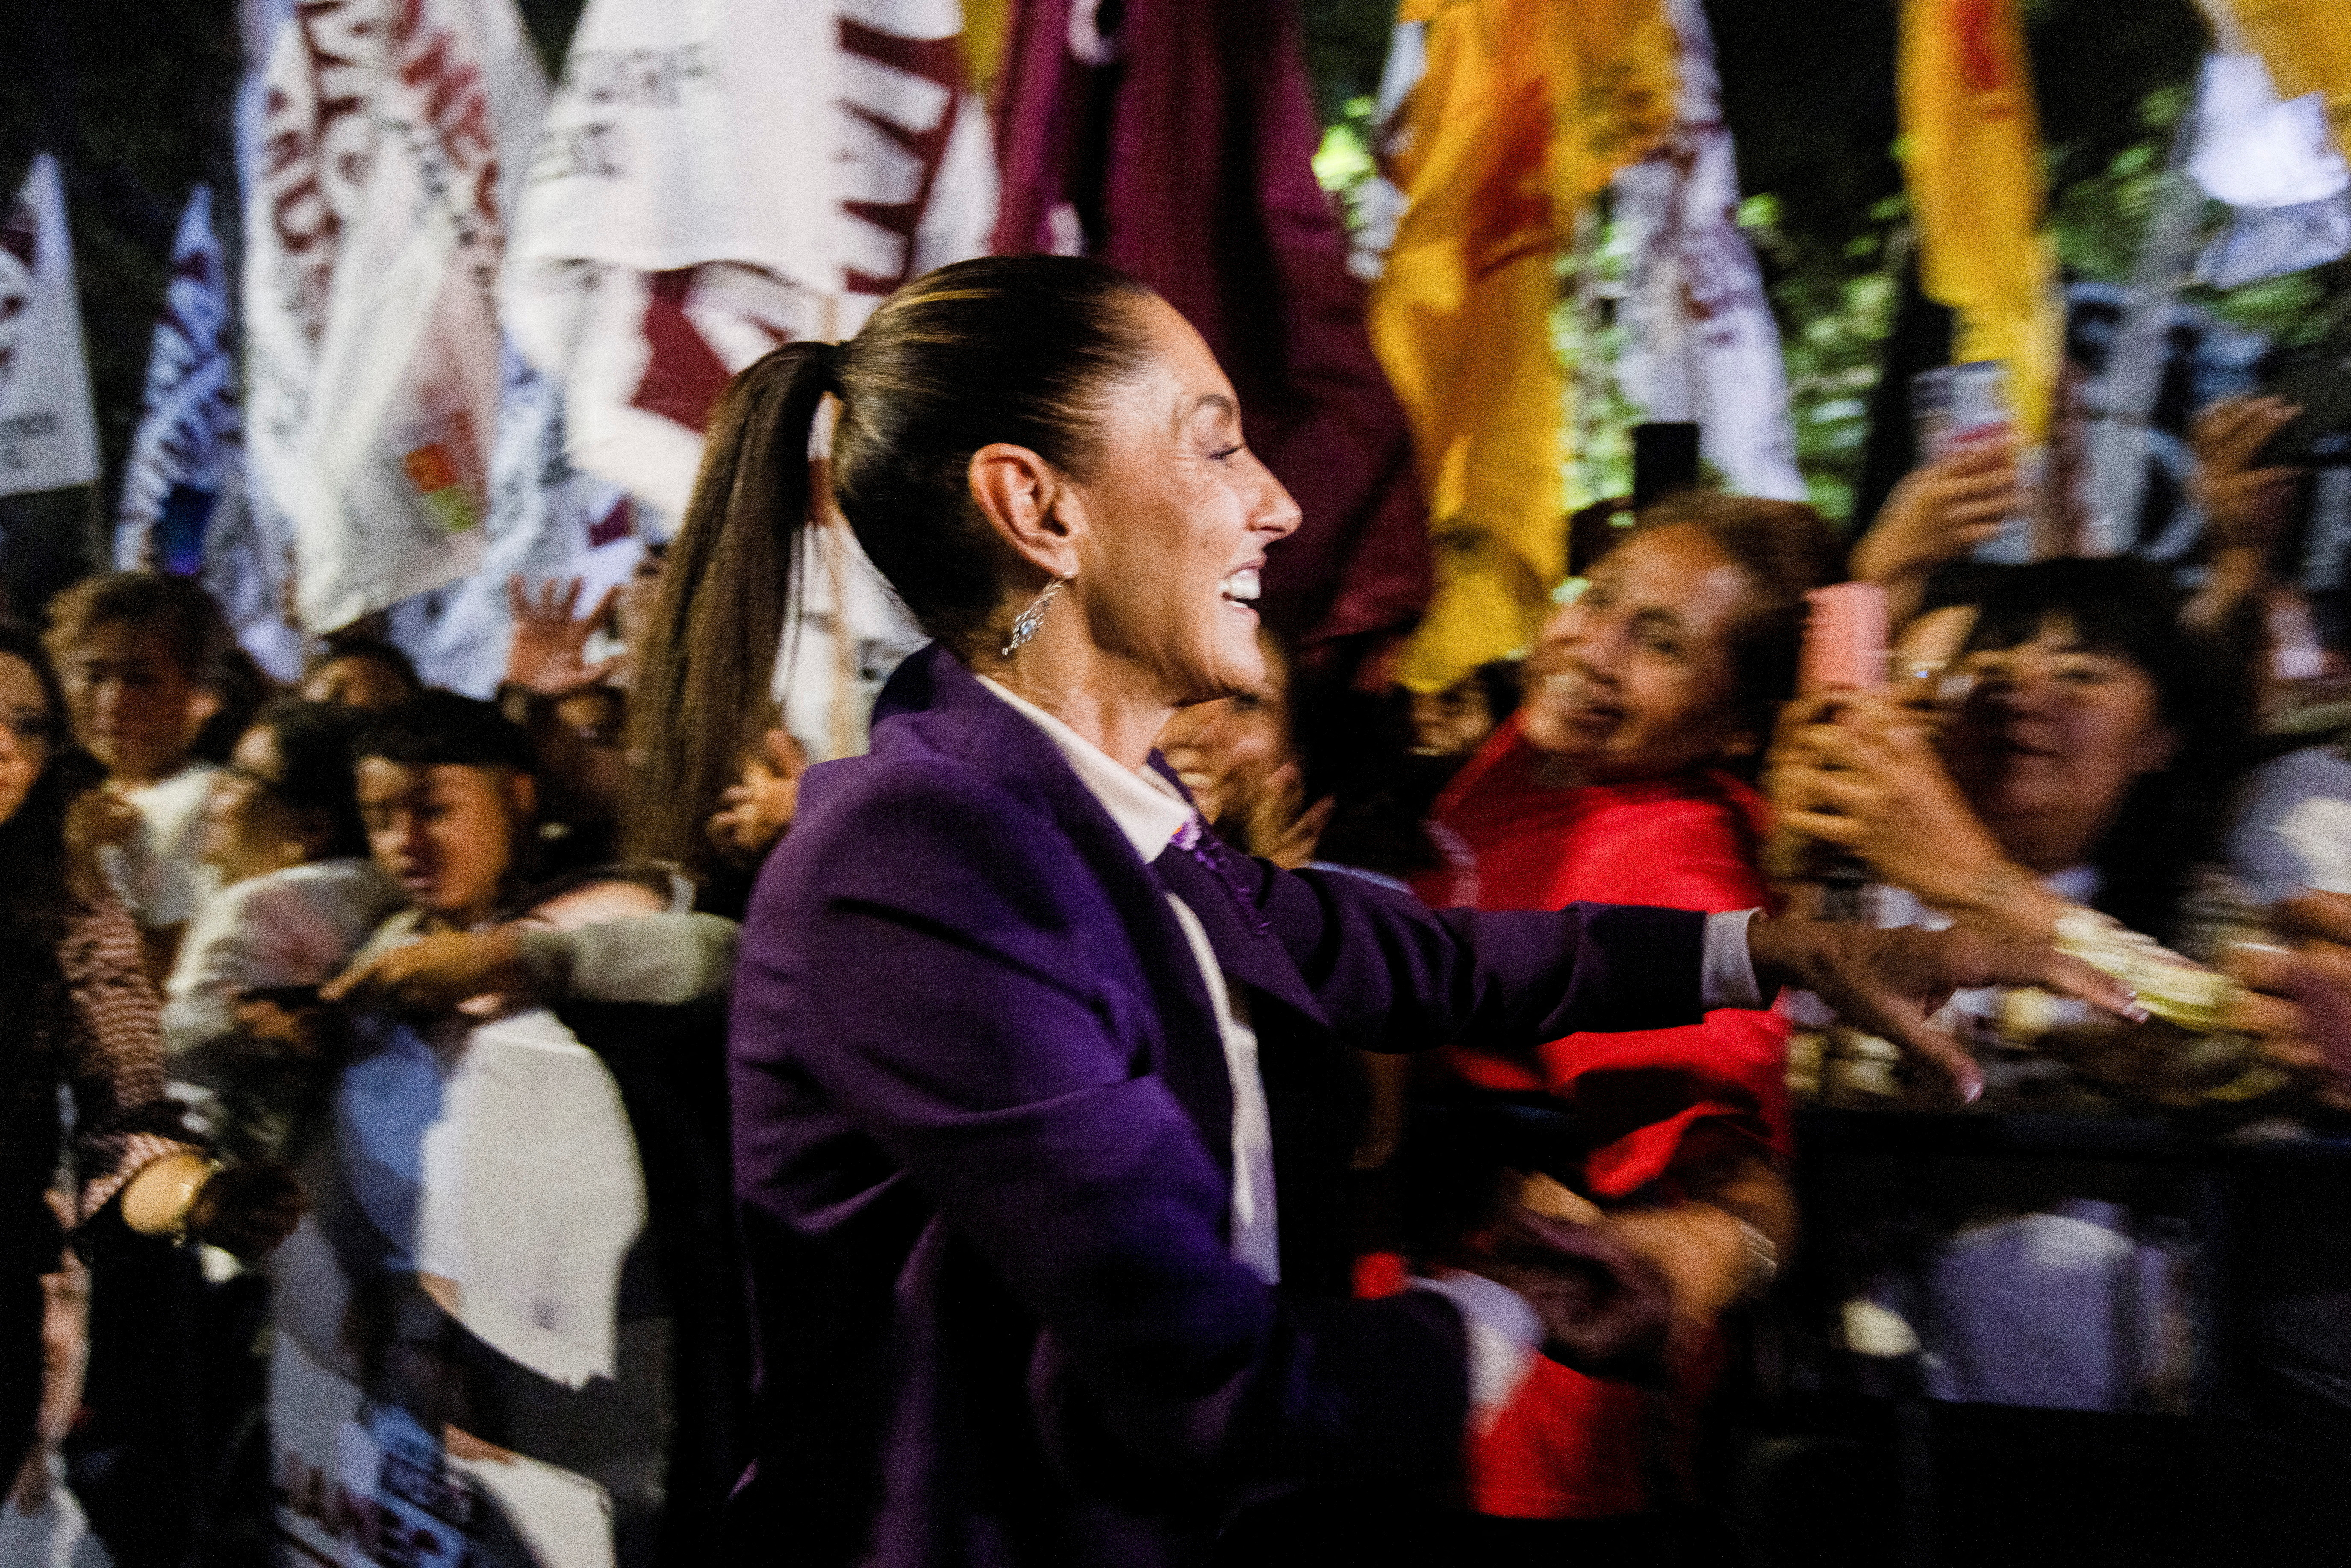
(1525, 109)
(2307, 46)
(1971, 156)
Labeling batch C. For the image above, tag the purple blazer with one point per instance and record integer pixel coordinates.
(982, 1141)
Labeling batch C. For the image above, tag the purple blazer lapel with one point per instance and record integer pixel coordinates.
(935, 697)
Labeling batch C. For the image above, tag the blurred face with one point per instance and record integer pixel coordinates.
(1634, 680)
(248, 829)
(1181, 512)
(26, 727)
(2050, 738)
(580, 743)
(1454, 722)
(132, 706)
(1218, 747)
(356, 682)
(447, 833)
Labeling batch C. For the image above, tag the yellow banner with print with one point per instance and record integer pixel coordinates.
(1523, 111)
(1972, 157)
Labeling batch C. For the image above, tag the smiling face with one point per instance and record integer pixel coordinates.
(1179, 513)
(446, 832)
(2050, 739)
(26, 727)
(1634, 680)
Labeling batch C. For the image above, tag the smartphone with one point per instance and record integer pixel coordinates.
(287, 996)
(1844, 639)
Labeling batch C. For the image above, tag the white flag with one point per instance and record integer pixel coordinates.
(183, 457)
(48, 439)
(719, 176)
(306, 128)
(1700, 341)
(394, 475)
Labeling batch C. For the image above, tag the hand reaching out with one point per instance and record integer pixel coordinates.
(2245, 507)
(753, 814)
(435, 973)
(1939, 513)
(547, 654)
(1890, 983)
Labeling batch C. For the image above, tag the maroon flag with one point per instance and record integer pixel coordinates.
(1181, 149)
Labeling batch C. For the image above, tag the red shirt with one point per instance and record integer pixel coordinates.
(1569, 1446)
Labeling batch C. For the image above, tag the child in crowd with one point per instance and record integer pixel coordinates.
(151, 674)
(358, 672)
(283, 832)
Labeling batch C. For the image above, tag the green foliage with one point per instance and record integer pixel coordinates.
(1834, 298)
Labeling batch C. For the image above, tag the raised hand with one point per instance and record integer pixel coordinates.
(2245, 507)
(549, 652)
(1937, 513)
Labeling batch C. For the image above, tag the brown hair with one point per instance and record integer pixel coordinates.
(1004, 349)
(193, 630)
(1784, 551)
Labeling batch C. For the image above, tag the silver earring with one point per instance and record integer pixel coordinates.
(1025, 624)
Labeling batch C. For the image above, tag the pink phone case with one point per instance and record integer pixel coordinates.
(1844, 638)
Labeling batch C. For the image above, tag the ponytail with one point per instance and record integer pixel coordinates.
(729, 588)
(1013, 348)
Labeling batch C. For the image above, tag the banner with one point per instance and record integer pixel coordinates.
(48, 439)
(184, 452)
(394, 477)
(470, 1364)
(305, 122)
(1700, 341)
(1200, 108)
(1972, 157)
(1524, 111)
(719, 176)
(716, 177)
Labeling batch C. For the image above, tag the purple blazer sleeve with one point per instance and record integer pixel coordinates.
(1390, 974)
(936, 964)
(986, 1051)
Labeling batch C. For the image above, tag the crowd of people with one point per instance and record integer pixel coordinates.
(407, 1014)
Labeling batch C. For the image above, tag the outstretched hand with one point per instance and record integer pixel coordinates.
(549, 652)
(1892, 983)
(2245, 507)
(434, 973)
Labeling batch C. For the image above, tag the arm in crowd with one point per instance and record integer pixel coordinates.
(1939, 513)
(662, 960)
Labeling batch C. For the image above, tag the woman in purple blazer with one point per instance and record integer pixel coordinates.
(1040, 1099)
